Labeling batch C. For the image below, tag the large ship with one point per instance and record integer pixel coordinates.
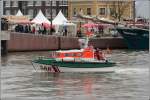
(135, 38)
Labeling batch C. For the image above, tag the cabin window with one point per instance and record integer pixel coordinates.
(74, 55)
(66, 55)
(71, 54)
(57, 54)
(79, 54)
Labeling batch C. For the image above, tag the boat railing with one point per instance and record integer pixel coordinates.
(41, 57)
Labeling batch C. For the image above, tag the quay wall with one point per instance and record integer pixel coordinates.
(31, 42)
(109, 42)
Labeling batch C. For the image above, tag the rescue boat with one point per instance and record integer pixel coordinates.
(84, 60)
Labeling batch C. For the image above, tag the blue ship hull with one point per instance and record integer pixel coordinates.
(135, 38)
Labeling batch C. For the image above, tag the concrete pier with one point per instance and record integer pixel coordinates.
(31, 42)
(4, 36)
(4, 46)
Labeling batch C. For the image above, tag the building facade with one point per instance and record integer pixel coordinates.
(102, 8)
(70, 8)
(31, 8)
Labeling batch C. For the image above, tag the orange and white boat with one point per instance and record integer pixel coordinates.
(84, 60)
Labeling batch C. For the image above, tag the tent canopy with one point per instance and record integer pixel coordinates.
(61, 23)
(40, 18)
(17, 19)
(19, 13)
(59, 19)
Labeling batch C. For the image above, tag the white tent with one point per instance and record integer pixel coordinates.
(59, 19)
(60, 22)
(19, 13)
(40, 18)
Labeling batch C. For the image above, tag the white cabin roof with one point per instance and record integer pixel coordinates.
(70, 51)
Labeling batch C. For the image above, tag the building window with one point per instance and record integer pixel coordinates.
(14, 3)
(4, 3)
(15, 11)
(54, 13)
(48, 3)
(7, 12)
(38, 3)
(65, 12)
(80, 9)
(34, 3)
(30, 3)
(11, 3)
(35, 12)
(48, 12)
(88, 11)
(102, 11)
(111, 11)
(74, 12)
(53, 3)
(65, 2)
(30, 12)
(7, 4)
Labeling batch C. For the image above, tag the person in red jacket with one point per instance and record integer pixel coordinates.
(99, 54)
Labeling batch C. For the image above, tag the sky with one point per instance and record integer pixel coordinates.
(143, 8)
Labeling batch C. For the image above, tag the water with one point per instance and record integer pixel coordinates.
(19, 80)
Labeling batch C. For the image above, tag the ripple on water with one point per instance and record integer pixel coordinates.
(128, 82)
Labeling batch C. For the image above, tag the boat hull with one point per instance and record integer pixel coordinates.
(53, 69)
(135, 38)
(59, 66)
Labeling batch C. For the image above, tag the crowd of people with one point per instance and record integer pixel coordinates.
(97, 31)
(23, 28)
(48, 30)
(35, 29)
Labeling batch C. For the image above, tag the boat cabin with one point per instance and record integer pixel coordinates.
(83, 53)
(86, 54)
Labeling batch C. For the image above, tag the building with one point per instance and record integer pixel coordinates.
(102, 8)
(31, 8)
(70, 8)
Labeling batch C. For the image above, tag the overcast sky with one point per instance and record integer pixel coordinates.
(143, 8)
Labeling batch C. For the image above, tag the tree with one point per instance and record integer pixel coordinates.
(118, 8)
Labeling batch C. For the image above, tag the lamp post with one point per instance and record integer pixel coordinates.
(134, 12)
(1, 13)
(51, 16)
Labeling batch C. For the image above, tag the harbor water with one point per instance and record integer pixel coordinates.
(130, 81)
